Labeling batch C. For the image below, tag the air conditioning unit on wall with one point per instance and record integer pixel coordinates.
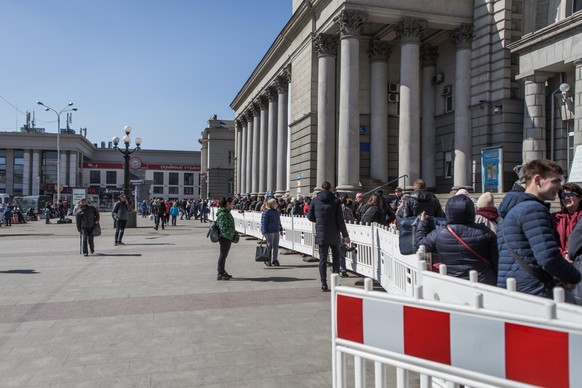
(393, 88)
(393, 97)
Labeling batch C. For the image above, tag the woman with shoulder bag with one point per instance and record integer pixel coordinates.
(225, 223)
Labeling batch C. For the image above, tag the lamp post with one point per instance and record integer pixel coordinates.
(126, 154)
(65, 109)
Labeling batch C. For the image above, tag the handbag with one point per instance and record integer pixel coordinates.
(213, 232)
(96, 230)
(262, 252)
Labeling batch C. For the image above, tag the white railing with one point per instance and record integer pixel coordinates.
(377, 256)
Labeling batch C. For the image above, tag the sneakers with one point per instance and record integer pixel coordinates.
(116, 243)
(92, 251)
(223, 276)
(85, 254)
(276, 263)
(344, 274)
(267, 263)
(121, 243)
(324, 287)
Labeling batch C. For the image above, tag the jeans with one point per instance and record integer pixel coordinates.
(120, 230)
(273, 245)
(224, 249)
(174, 220)
(335, 255)
(157, 221)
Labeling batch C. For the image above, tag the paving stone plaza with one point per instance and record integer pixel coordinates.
(152, 314)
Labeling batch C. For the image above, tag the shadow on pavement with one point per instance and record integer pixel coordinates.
(21, 271)
(118, 254)
(151, 244)
(26, 234)
(274, 279)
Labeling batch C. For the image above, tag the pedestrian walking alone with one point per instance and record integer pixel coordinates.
(87, 217)
(271, 227)
(120, 214)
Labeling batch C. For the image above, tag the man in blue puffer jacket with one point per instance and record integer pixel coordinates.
(527, 228)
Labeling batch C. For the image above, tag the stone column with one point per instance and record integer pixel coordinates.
(272, 159)
(73, 169)
(534, 120)
(243, 154)
(326, 48)
(249, 153)
(256, 147)
(462, 37)
(578, 104)
(379, 53)
(35, 173)
(410, 33)
(348, 171)
(264, 105)
(282, 85)
(238, 152)
(428, 58)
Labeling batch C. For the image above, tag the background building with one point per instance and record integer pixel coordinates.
(28, 166)
(217, 159)
(457, 92)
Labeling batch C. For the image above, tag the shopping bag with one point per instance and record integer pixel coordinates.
(262, 252)
(96, 230)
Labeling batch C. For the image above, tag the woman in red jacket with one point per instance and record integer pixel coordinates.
(564, 221)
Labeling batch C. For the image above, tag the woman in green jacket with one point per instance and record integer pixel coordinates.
(226, 230)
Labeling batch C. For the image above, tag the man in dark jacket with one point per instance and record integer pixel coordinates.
(86, 218)
(526, 233)
(326, 212)
(422, 201)
(120, 214)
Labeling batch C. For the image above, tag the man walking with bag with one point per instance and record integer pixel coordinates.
(326, 212)
(120, 214)
(87, 217)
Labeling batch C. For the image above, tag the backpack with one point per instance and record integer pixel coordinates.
(213, 232)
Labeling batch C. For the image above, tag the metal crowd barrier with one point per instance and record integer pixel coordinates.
(409, 282)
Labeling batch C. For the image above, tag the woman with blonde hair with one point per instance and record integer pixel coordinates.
(271, 227)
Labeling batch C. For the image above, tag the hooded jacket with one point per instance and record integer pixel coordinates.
(419, 201)
(326, 212)
(527, 227)
(460, 215)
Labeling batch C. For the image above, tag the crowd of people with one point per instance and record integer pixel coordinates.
(520, 239)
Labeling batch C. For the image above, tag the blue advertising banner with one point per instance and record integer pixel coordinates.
(492, 169)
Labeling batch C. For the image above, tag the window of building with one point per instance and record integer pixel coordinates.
(230, 157)
(18, 172)
(577, 6)
(158, 178)
(173, 190)
(2, 171)
(188, 179)
(174, 178)
(188, 190)
(95, 177)
(111, 177)
(448, 98)
(158, 189)
(2, 157)
(230, 186)
(448, 173)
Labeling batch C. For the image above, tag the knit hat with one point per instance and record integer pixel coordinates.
(485, 200)
(462, 192)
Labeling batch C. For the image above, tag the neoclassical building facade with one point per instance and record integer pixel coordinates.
(373, 92)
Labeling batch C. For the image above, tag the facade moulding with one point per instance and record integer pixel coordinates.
(555, 32)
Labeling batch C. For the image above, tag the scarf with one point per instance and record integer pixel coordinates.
(563, 223)
(489, 212)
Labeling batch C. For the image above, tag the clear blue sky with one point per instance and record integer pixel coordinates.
(162, 66)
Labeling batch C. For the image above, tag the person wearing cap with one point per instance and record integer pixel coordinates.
(120, 214)
(86, 217)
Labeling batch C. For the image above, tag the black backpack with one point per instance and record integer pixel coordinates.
(213, 232)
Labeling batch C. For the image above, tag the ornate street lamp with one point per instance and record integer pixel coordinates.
(65, 109)
(126, 153)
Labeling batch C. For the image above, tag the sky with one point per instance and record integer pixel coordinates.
(161, 66)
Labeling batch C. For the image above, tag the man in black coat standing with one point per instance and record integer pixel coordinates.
(86, 218)
(326, 212)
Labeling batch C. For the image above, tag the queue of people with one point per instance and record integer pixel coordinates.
(519, 239)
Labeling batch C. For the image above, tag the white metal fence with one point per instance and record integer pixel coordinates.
(377, 256)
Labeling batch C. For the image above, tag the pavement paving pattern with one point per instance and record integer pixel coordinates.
(152, 314)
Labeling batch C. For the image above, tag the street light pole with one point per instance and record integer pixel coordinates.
(65, 109)
(126, 154)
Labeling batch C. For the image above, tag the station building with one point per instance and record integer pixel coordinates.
(28, 166)
(374, 92)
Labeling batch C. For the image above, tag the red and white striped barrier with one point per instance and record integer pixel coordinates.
(459, 343)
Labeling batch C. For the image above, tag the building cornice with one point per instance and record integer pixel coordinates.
(571, 25)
